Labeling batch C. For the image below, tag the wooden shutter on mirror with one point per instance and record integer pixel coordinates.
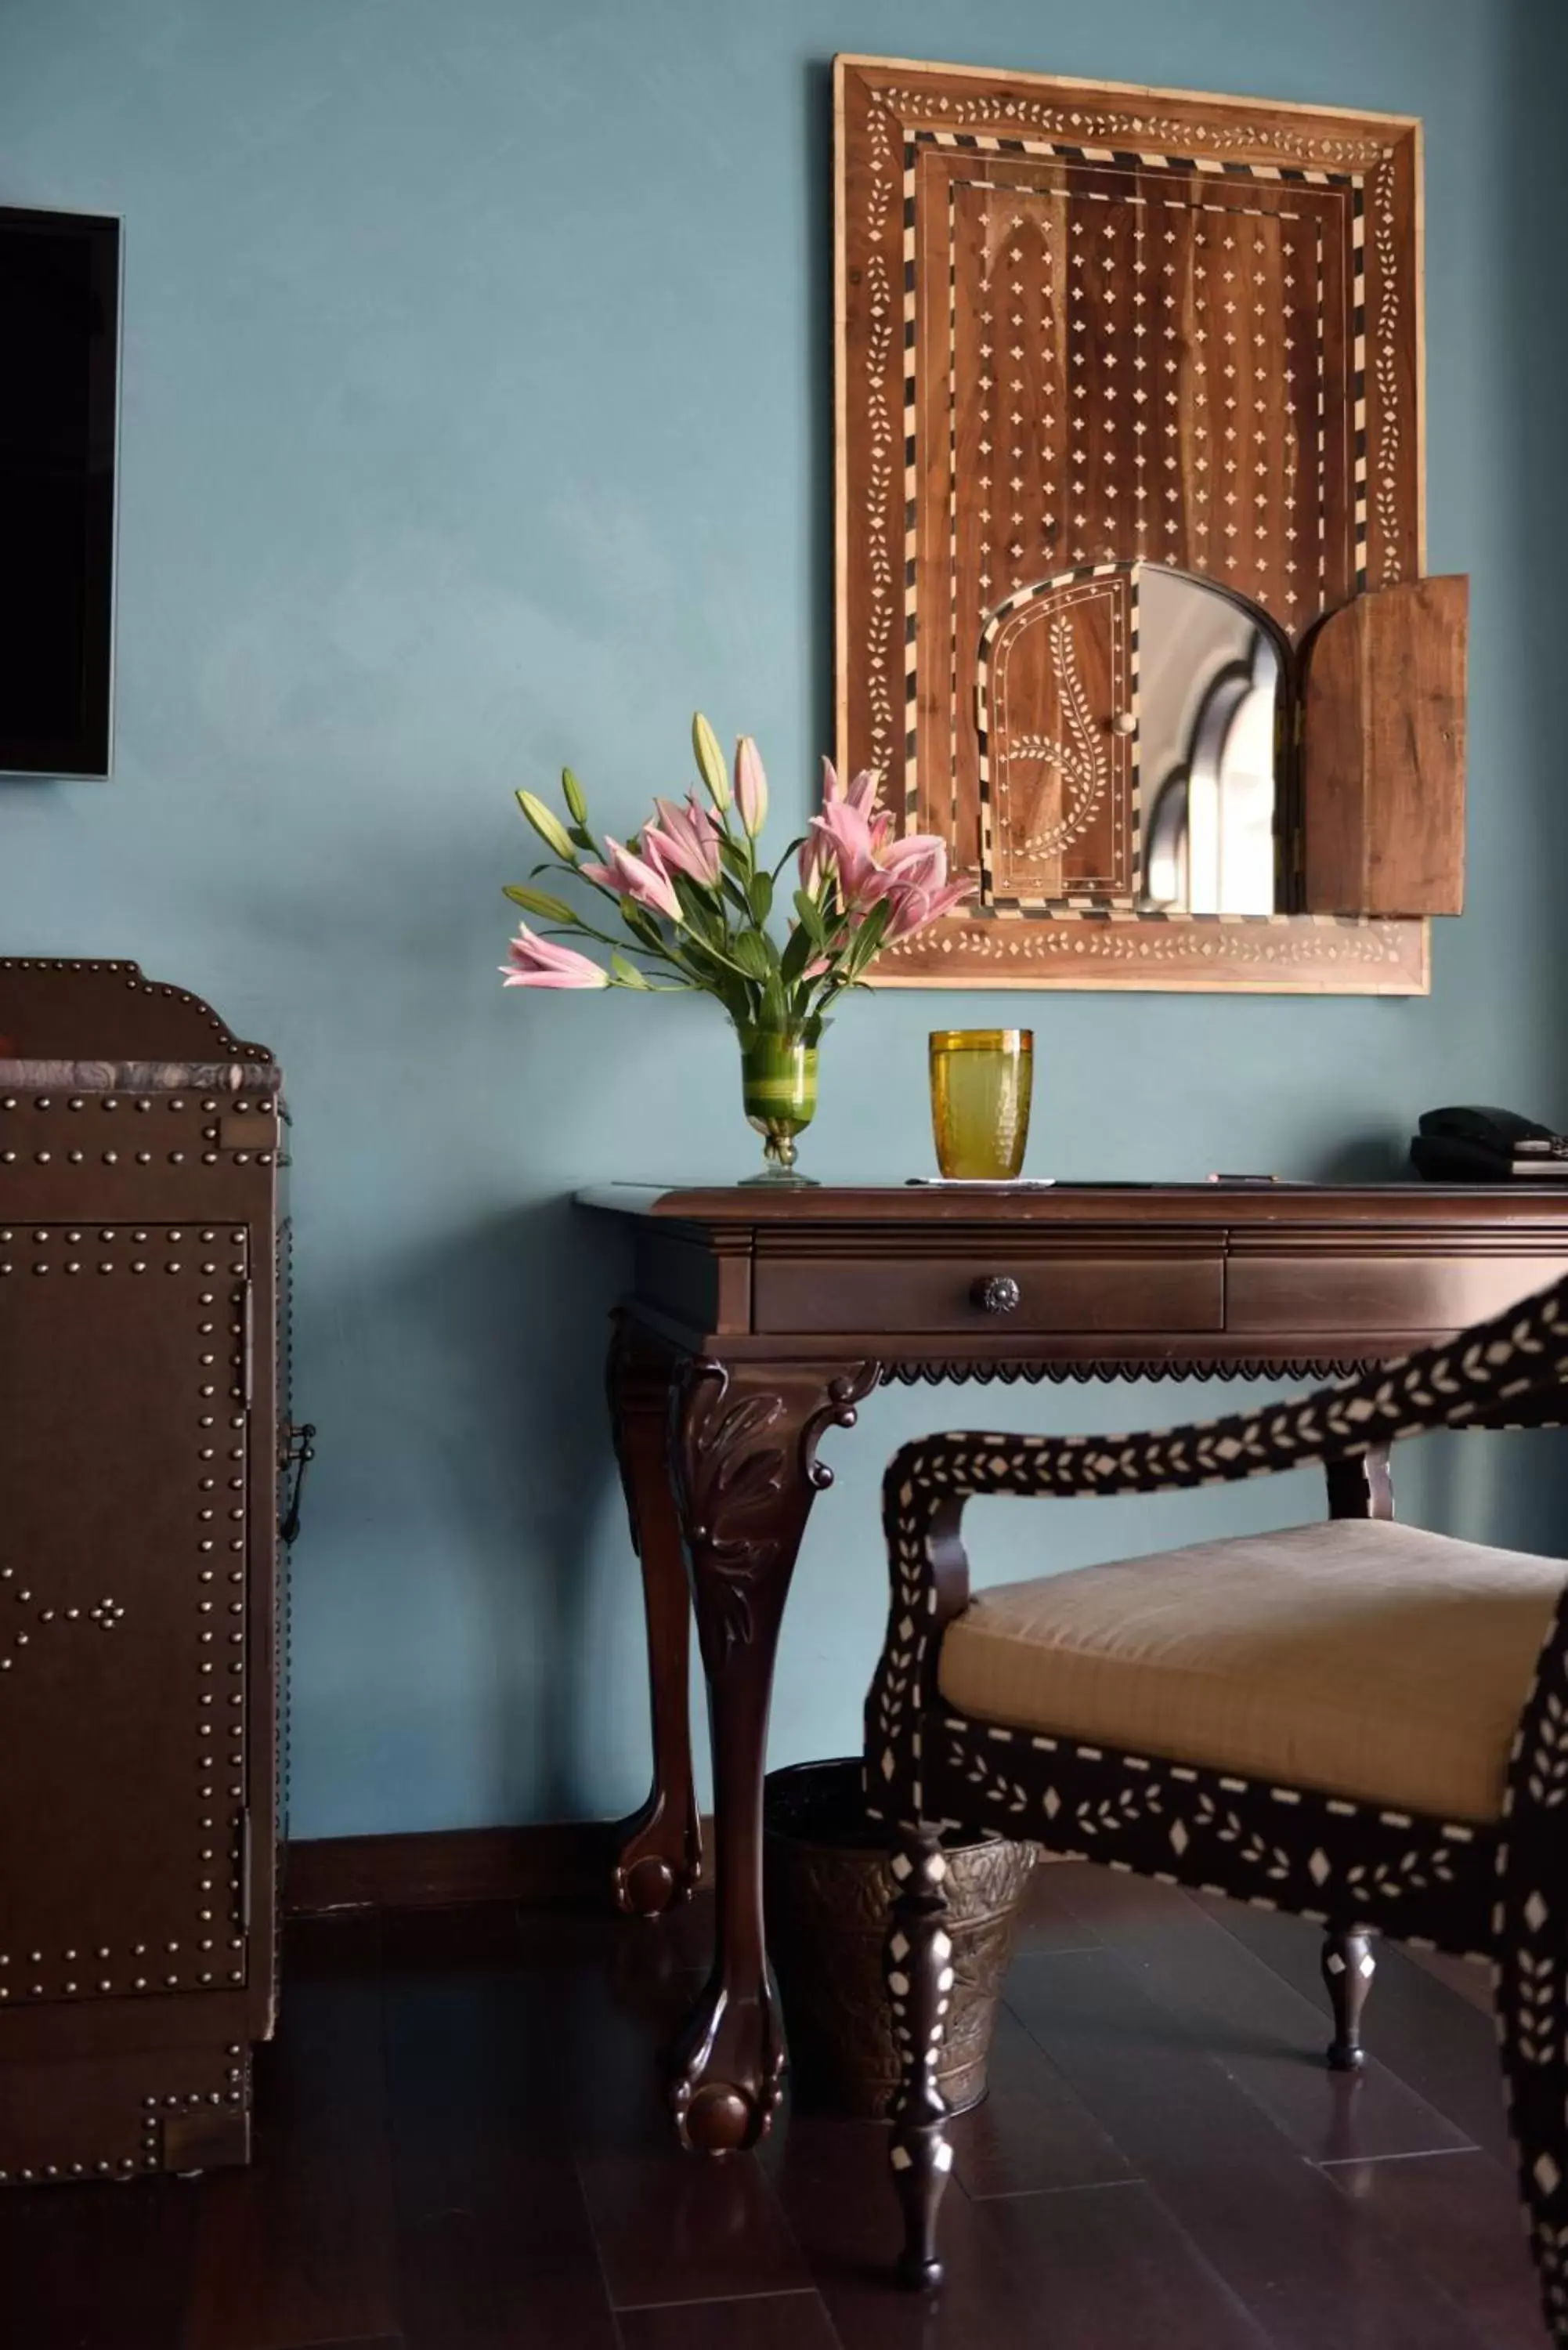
(1383, 754)
(1081, 328)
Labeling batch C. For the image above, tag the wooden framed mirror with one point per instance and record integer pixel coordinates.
(1130, 531)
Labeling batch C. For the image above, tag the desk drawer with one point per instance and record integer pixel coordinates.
(1348, 1295)
(949, 1294)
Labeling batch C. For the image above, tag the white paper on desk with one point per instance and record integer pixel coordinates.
(982, 1183)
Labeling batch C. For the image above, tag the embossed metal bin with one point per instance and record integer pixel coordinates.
(829, 1888)
(143, 1440)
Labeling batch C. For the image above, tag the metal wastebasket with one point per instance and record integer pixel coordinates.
(829, 1889)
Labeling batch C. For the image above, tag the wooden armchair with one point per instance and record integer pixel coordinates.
(1355, 1720)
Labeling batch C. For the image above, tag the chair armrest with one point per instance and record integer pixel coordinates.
(1519, 1354)
(1481, 1375)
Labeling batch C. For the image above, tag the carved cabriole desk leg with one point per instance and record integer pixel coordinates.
(662, 1854)
(743, 1438)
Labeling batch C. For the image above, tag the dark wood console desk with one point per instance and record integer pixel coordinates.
(756, 1322)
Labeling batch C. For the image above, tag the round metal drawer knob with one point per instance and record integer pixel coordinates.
(997, 1292)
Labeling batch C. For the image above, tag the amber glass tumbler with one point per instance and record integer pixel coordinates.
(980, 1084)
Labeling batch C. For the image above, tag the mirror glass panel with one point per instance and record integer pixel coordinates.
(1211, 709)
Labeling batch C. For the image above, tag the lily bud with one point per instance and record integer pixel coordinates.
(710, 762)
(540, 901)
(547, 825)
(750, 786)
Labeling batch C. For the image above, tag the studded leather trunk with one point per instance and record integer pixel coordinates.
(142, 1435)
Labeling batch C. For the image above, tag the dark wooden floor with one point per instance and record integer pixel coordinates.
(461, 2148)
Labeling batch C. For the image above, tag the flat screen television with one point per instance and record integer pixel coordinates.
(59, 341)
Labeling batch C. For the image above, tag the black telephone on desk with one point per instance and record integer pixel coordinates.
(1487, 1145)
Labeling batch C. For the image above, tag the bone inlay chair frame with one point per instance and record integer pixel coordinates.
(1079, 328)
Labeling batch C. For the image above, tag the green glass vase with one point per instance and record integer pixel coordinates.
(778, 1086)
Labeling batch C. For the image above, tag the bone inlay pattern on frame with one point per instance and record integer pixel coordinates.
(1080, 331)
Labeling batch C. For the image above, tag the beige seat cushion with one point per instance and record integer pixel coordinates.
(1375, 1661)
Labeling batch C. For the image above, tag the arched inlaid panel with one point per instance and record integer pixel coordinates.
(1056, 702)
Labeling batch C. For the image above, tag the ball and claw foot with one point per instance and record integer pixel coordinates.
(918, 2274)
(1348, 1967)
(649, 1887)
(722, 2119)
(660, 1861)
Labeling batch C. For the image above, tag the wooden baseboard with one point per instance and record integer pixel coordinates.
(569, 1860)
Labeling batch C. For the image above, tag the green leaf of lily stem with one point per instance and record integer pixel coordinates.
(761, 895)
(626, 974)
(539, 902)
(750, 949)
(697, 906)
(797, 953)
(810, 919)
(736, 998)
(547, 825)
(867, 939)
(641, 925)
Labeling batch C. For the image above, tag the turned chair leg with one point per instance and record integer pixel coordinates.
(1532, 1987)
(1348, 1967)
(918, 1960)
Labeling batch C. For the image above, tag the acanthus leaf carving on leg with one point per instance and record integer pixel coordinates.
(743, 1440)
(736, 1454)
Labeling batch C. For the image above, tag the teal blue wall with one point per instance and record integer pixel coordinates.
(475, 418)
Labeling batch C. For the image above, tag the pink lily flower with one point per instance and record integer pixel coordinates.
(857, 801)
(641, 879)
(685, 840)
(533, 962)
(920, 858)
(860, 850)
(813, 861)
(845, 847)
(915, 907)
(860, 794)
(910, 872)
(750, 785)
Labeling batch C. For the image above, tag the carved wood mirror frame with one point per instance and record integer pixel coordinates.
(1078, 327)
